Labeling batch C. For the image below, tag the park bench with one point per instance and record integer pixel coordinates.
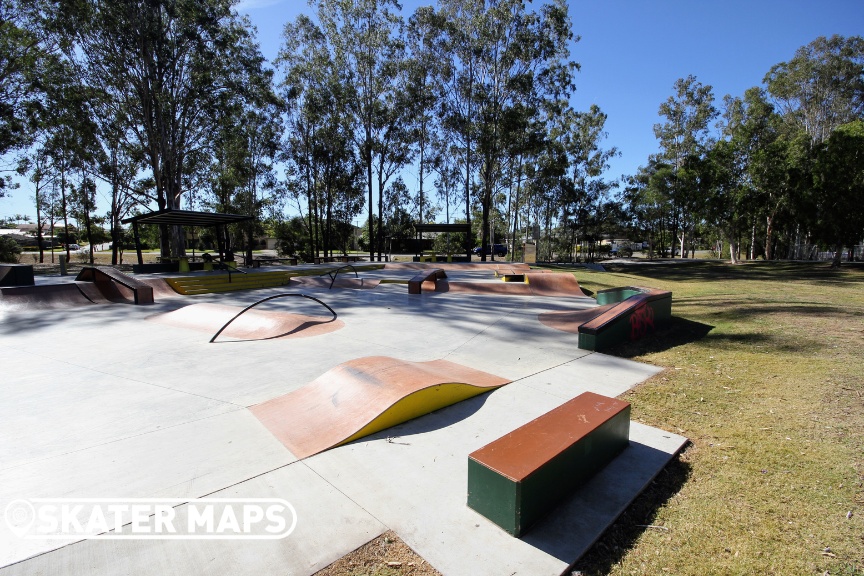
(415, 284)
(520, 477)
(103, 275)
(635, 314)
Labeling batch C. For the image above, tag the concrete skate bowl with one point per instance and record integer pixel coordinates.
(233, 323)
(364, 396)
(558, 285)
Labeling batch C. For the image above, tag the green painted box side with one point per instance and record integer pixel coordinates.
(615, 295)
(624, 328)
(549, 485)
(516, 506)
(587, 341)
(494, 496)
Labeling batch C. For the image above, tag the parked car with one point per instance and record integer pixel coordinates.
(499, 250)
(74, 247)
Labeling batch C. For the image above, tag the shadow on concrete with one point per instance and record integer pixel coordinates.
(638, 518)
(432, 421)
(574, 527)
(676, 331)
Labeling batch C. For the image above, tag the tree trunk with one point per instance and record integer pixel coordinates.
(838, 255)
(769, 237)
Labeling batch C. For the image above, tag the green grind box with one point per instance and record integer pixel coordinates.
(517, 479)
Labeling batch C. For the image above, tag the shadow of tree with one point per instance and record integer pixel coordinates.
(674, 332)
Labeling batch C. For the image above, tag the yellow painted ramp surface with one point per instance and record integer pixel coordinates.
(364, 396)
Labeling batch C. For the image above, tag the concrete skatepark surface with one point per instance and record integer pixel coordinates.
(101, 403)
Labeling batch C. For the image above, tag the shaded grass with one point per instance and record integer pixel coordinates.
(767, 382)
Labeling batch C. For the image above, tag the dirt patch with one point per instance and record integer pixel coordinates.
(386, 555)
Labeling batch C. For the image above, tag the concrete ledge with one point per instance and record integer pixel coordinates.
(517, 479)
(630, 319)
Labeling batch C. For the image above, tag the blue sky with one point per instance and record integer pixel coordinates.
(632, 51)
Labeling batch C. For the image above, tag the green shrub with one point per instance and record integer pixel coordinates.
(9, 250)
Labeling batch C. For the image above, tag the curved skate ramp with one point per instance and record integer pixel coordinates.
(364, 396)
(340, 282)
(44, 296)
(560, 285)
(553, 284)
(253, 325)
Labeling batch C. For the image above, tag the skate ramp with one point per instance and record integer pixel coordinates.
(571, 320)
(459, 266)
(44, 296)
(364, 396)
(340, 282)
(161, 288)
(552, 284)
(536, 284)
(484, 288)
(253, 325)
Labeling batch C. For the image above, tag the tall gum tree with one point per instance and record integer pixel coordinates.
(365, 38)
(684, 136)
(166, 62)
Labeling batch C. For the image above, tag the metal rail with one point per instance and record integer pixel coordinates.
(334, 273)
(297, 294)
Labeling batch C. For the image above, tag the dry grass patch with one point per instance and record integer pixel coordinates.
(768, 386)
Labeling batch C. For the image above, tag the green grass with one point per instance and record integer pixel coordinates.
(765, 375)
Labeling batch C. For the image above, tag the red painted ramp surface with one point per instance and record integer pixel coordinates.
(341, 282)
(161, 288)
(571, 320)
(538, 284)
(366, 395)
(43, 296)
(498, 287)
(457, 266)
(552, 284)
(253, 325)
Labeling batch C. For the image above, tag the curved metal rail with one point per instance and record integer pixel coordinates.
(334, 273)
(265, 300)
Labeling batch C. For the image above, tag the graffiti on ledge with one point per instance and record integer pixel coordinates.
(641, 321)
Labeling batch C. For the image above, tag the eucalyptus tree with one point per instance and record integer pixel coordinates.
(683, 138)
(583, 188)
(166, 64)
(322, 165)
(458, 53)
(68, 134)
(38, 169)
(822, 86)
(423, 39)
(394, 136)
(509, 63)
(815, 93)
(367, 49)
(837, 209)
(26, 49)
